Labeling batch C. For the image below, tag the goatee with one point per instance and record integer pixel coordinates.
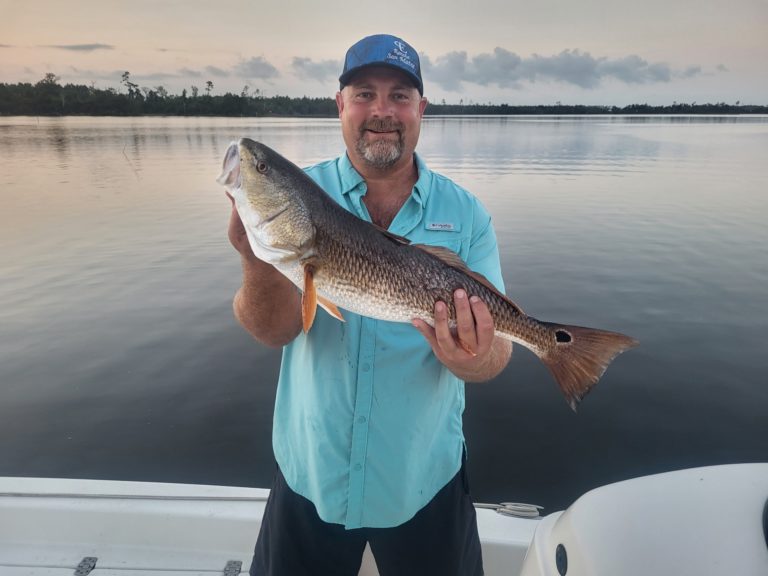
(383, 152)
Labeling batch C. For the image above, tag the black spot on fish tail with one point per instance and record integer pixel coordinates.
(562, 336)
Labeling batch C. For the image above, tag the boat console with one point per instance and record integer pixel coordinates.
(701, 521)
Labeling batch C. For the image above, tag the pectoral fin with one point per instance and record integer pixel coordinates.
(308, 298)
(331, 308)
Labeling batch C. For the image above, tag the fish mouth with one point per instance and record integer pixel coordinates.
(230, 168)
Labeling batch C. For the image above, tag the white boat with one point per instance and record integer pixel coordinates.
(700, 521)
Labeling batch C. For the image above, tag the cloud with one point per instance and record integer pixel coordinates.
(448, 70)
(86, 72)
(506, 69)
(6, 46)
(218, 72)
(630, 70)
(256, 68)
(81, 47)
(155, 76)
(502, 64)
(690, 72)
(188, 72)
(306, 68)
(571, 67)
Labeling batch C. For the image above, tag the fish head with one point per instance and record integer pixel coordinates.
(266, 189)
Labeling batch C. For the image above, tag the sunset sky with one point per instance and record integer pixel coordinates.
(534, 52)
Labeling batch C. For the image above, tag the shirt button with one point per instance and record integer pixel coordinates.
(366, 367)
(361, 420)
(358, 467)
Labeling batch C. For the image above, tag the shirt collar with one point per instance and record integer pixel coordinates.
(351, 178)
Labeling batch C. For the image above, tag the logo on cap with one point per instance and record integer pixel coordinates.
(401, 55)
(382, 49)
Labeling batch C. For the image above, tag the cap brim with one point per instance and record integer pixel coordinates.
(345, 78)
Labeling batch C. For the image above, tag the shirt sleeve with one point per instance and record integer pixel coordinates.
(484, 250)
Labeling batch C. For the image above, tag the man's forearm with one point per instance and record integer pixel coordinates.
(267, 305)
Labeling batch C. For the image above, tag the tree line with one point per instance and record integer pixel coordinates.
(49, 98)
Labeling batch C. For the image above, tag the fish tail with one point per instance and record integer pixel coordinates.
(581, 356)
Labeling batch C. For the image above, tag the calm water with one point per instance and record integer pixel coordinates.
(120, 358)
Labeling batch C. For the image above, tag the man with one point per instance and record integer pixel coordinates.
(368, 418)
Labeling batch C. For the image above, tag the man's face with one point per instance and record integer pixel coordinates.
(380, 112)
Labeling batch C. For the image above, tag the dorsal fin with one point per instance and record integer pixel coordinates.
(390, 236)
(446, 255)
(453, 260)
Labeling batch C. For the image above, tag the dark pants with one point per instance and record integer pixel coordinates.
(441, 539)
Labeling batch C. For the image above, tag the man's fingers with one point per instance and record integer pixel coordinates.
(484, 326)
(442, 331)
(237, 234)
(235, 223)
(474, 332)
(465, 322)
(426, 330)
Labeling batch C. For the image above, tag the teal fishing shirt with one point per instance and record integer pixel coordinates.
(368, 423)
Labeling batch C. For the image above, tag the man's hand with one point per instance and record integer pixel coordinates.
(472, 352)
(236, 232)
(267, 304)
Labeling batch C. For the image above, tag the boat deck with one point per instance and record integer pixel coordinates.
(57, 527)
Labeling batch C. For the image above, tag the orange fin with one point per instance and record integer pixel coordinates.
(308, 298)
(453, 260)
(331, 308)
(581, 356)
(466, 348)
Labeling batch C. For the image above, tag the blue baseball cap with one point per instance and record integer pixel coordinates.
(382, 50)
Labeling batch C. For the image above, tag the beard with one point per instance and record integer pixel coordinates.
(382, 152)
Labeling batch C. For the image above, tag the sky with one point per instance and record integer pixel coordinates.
(601, 52)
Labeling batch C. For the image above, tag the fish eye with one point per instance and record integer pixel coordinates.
(261, 166)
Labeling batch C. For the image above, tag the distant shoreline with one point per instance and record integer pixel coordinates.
(48, 98)
(432, 111)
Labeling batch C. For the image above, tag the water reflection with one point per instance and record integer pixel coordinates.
(548, 146)
(121, 358)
